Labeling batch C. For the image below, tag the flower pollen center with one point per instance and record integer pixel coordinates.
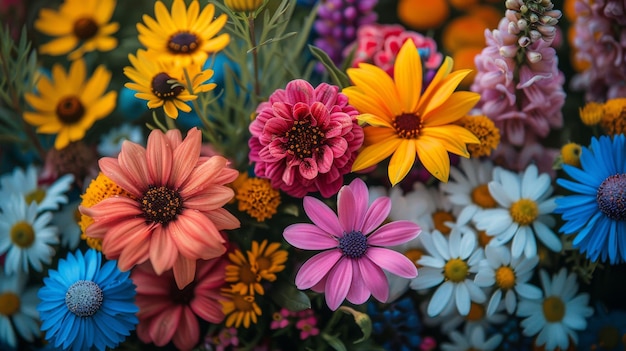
(303, 139)
(22, 234)
(84, 298)
(505, 277)
(243, 303)
(455, 270)
(408, 125)
(9, 303)
(524, 211)
(482, 197)
(166, 87)
(353, 244)
(483, 238)
(609, 337)
(611, 197)
(70, 110)
(183, 42)
(476, 312)
(85, 28)
(161, 204)
(440, 218)
(414, 255)
(36, 195)
(553, 309)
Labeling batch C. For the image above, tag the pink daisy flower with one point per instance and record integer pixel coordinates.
(305, 140)
(167, 313)
(175, 214)
(351, 265)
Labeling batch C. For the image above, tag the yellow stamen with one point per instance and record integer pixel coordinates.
(455, 270)
(524, 211)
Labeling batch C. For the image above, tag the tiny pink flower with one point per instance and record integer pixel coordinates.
(307, 327)
(353, 258)
(304, 139)
(280, 319)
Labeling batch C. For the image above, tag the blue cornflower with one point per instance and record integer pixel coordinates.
(596, 214)
(396, 325)
(86, 305)
(606, 331)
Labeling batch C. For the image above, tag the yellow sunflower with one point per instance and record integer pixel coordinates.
(165, 84)
(79, 25)
(403, 122)
(186, 35)
(68, 105)
(239, 309)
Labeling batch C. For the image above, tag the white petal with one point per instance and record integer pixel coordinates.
(440, 299)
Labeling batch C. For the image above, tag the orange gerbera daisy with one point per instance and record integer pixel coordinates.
(175, 215)
(403, 122)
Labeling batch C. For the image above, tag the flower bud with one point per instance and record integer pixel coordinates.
(243, 5)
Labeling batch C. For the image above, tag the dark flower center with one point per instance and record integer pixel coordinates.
(70, 110)
(184, 296)
(166, 87)
(84, 298)
(85, 28)
(303, 139)
(161, 204)
(353, 244)
(22, 234)
(408, 125)
(183, 42)
(611, 197)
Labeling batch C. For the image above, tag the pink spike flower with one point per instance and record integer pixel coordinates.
(305, 139)
(175, 215)
(354, 257)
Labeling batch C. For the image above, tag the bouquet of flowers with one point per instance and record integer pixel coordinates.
(312, 175)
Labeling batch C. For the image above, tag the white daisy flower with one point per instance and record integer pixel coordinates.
(26, 236)
(416, 205)
(66, 220)
(558, 314)
(471, 339)
(18, 309)
(508, 276)
(26, 184)
(111, 143)
(449, 319)
(468, 187)
(447, 266)
(525, 208)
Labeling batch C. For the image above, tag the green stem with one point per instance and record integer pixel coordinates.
(255, 60)
(209, 131)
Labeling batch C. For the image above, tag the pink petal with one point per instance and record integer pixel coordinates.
(113, 209)
(347, 211)
(174, 138)
(358, 293)
(392, 261)
(184, 271)
(309, 237)
(299, 90)
(159, 158)
(112, 169)
(150, 306)
(146, 284)
(338, 283)
(196, 236)
(211, 274)
(213, 197)
(355, 205)
(376, 280)
(186, 157)
(163, 326)
(202, 176)
(124, 233)
(132, 161)
(188, 332)
(134, 253)
(163, 250)
(394, 233)
(325, 159)
(322, 216)
(318, 266)
(308, 168)
(208, 309)
(223, 219)
(376, 214)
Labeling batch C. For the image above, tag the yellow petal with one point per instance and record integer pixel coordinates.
(170, 109)
(62, 139)
(408, 76)
(431, 89)
(104, 11)
(39, 104)
(450, 138)
(163, 17)
(78, 71)
(96, 85)
(378, 85)
(51, 24)
(192, 12)
(375, 135)
(214, 45)
(373, 154)
(458, 105)
(206, 16)
(444, 90)
(179, 14)
(363, 103)
(374, 120)
(59, 46)
(401, 161)
(105, 105)
(434, 158)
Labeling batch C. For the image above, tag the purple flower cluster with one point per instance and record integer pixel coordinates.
(600, 41)
(517, 76)
(337, 23)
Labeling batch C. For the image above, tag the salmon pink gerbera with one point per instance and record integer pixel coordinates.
(351, 267)
(174, 213)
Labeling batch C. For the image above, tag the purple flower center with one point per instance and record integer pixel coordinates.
(183, 42)
(408, 125)
(353, 244)
(304, 139)
(611, 197)
(165, 87)
(161, 204)
(84, 298)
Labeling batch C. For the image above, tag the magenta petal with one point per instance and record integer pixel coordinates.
(376, 281)
(338, 283)
(299, 90)
(309, 237)
(347, 210)
(392, 261)
(359, 292)
(394, 233)
(316, 268)
(361, 201)
(322, 216)
(376, 214)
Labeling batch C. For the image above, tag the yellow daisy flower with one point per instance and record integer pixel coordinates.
(185, 35)
(403, 122)
(239, 309)
(263, 262)
(79, 25)
(68, 105)
(165, 84)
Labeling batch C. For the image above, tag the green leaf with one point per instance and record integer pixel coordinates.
(362, 320)
(334, 342)
(337, 75)
(288, 296)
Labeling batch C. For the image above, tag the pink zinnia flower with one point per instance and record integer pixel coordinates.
(167, 313)
(175, 215)
(305, 140)
(351, 265)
